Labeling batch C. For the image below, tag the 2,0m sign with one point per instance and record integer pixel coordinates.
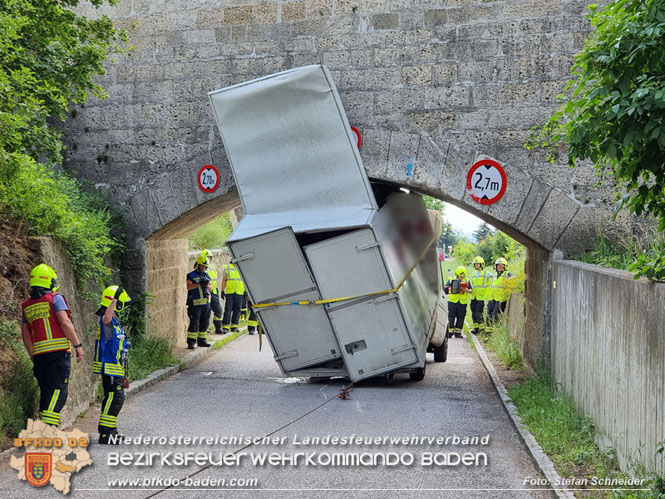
(486, 181)
(208, 178)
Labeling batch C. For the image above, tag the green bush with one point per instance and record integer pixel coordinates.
(56, 205)
(19, 391)
(623, 253)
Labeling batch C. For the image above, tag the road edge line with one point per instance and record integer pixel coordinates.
(542, 461)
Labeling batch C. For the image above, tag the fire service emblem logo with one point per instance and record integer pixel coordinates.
(38, 468)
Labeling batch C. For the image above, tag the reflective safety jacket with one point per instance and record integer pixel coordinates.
(212, 272)
(457, 297)
(198, 295)
(108, 354)
(47, 336)
(481, 280)
(499, 290)
(234, 284)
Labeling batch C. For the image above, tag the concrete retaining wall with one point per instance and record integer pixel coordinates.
(608, 354)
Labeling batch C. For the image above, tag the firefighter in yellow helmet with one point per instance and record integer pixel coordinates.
(199, 287)
(111, 361)
(498, 293)
(215, 301)
(481, 280)
(458, 291)
(48, 335)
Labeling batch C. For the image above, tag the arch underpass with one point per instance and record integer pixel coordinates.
(434, 84)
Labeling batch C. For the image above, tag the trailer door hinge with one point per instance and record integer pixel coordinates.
(366, 246)
(403, 348)
(247, 256)
(286, 355)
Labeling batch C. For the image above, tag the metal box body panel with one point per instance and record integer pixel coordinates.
(300, 336)
(292, 152)
(404, 230)
(373, 337)
(348, 265)
(274, 270)
(272, 265)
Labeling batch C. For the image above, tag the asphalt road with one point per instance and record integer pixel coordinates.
(239, 392)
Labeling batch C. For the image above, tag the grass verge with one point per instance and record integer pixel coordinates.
(148, 355)
(505, 346)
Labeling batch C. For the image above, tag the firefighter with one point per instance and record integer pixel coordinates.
(252, 320)
(111, 358)
(498, 293)
(199, 286)
(480, 280)
(215, 302)
(233, 290)
(47, 331)
(458, 290)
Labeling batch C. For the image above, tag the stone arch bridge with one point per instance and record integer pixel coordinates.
(432, 82)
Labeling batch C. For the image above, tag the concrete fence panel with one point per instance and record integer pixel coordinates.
(608, 354)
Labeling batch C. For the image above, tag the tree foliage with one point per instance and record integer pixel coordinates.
(212, 235)
(615, 115)
(482, 232)
(48, 58)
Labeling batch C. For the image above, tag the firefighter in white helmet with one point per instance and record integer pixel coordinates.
(498, 293)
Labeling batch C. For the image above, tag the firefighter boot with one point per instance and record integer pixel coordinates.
(201, 342)
(191, 344)
(458, 333)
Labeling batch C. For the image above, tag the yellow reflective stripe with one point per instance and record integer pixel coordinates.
(50, 345)
(47, 327)
(200, 301)
(345, 298)
(108, 403)
(114, 370)
(54, 399)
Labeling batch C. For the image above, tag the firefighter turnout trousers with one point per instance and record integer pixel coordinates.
(252, 320)
(232, 312)
(199, 320)
(114, 398)
(477, 315)
(456, 315)
(218, 312)
(52, 371)
(494, 309)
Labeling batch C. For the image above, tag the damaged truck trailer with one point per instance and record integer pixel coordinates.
(343, 271)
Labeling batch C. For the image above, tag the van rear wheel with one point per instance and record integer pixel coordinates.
(441, 352)
(418, 374)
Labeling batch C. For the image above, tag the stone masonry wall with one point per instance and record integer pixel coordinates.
(166, 269)
(434, 83)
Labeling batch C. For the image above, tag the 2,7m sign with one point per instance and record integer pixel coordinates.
(486, 181)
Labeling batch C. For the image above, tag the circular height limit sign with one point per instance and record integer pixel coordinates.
(208, 178)
(486, 181)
